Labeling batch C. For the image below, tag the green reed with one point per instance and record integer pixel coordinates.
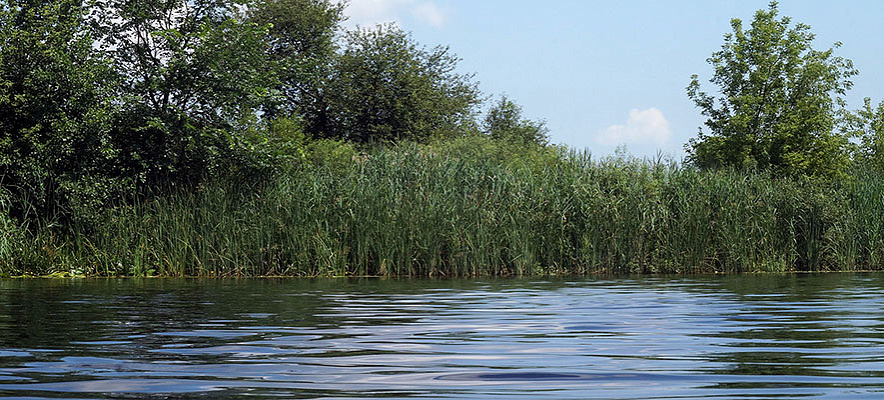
(424, 211)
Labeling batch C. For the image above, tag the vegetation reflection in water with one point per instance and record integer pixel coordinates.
(700, 336)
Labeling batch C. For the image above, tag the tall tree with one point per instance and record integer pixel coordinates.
(194, 57)
(777, 104)
(300, 46)
(383, 87)
(190, 71)
(55, 105)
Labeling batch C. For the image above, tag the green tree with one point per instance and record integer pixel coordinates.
(867, 125)
(777, 104)
(504, 122)
(300, 46)
(384, 88)
(191, 71)
(55, 108)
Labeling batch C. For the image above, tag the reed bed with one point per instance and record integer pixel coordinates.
(416, 211)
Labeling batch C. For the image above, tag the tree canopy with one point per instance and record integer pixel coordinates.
(777, 104)
(866, 125)
(384, 87)
(300, 46)
(504, 122)
(55, 105)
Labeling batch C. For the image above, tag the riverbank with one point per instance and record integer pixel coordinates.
(424, 211)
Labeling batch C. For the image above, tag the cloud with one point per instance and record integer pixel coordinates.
(643, 128)
(430, 14)
(372, 12)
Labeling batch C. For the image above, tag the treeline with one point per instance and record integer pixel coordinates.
(259, 137)
(103, 100)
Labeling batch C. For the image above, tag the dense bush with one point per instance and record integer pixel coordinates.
(385, 88)
(55, 111)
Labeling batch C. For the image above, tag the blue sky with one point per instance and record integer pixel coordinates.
(609, 73)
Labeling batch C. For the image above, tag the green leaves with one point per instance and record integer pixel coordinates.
(867, 125)
(299, 44)
(102, 98)
(385, 88)
(777, 104)
(504, 122)
(54, 104)
(195, 58)
(190, 72)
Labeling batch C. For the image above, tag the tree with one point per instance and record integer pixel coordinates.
(776, 109)
(55, 108)
(300, 46)
(383, 88)
(190, 72)
(191, 57)
(867, 125)
(504, 122)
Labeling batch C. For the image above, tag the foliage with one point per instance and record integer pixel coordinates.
(867, 125)
(428, 210)
(55, 110)
(507, 153)
(504, 122)
(384, 88)
(225, 137)
(777, 105)
(336, 155)
(300, 46)
(101, 100)
(189, 71)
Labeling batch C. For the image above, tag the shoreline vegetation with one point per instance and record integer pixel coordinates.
(237, 138)
(414, 210)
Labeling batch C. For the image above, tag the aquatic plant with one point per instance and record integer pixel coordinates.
(415, 210)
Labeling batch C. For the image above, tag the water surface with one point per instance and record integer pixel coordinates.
(740, 337)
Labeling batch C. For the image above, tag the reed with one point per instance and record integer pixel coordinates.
(434, 211)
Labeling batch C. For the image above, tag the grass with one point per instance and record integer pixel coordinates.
(437, 211)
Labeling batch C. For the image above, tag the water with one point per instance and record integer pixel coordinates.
(753, 336)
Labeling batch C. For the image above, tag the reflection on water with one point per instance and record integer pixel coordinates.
(759, 336)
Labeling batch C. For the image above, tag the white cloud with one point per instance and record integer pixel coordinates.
(372, 12)
(429, 13)
(643, 128)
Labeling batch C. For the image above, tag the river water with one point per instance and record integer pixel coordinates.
(746, 337)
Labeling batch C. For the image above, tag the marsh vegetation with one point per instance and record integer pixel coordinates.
(417, 210)
(228, 138)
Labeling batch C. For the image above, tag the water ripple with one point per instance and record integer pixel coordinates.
(763, 336)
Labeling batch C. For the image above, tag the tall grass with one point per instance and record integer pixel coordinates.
(419, 211)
